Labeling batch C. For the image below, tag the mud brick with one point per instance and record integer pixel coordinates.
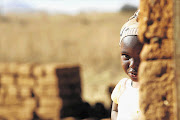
(7, 80)
(25, 92)
(16, 112)
(2, 90)
(106, 119)
(9, 112)
(25, 81)
(48, 113)
(25, 69)
(154, 22)
(25, 113)
(45, 70)
(38, 71)
(50, 69)
(8, 68)
(3, 68)
(50, 102)
(154, 50)
(48, 80)
(4, 112)
(48, 90)
(156, 87)
(11, 100)
(11, 90)
(58, 118)
(12, 68)
(71, 118)
(30, 103)
(1, 100)
(155, 71)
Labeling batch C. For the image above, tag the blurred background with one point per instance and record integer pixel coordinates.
(73, 32)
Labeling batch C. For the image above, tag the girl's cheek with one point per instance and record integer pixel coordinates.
(125, 64)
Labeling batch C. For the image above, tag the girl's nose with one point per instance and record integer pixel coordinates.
(132, 63)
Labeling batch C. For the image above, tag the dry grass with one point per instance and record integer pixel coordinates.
(90, 40)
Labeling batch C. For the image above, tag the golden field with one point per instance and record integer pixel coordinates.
(89, 40)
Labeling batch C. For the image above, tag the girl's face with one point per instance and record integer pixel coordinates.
(130, 50)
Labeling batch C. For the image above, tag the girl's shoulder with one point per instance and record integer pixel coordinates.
(119, 89)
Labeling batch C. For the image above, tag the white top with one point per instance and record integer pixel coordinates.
(127, 99)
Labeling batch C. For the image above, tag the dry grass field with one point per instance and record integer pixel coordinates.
(89, 40)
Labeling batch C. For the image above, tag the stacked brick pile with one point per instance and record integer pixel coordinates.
(156, 71)
(16, 98)
(47, 91)
(30, 91)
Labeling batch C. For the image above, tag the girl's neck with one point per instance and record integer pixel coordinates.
(135, 84)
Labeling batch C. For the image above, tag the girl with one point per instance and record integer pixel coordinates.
(125, 95)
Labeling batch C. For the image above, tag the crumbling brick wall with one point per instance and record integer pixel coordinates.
(156, 72)
(41, 92)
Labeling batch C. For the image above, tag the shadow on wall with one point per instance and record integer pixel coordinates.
(84, 110)
(70, 93)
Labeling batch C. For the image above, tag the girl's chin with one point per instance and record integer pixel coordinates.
(135, 79)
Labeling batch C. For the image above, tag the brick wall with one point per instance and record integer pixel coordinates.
(156, 74)
(32, 91)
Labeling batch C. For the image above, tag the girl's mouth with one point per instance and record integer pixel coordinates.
(132, 74)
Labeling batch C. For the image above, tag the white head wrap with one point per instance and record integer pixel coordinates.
(130, 28)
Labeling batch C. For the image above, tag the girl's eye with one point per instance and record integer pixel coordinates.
(126, 57)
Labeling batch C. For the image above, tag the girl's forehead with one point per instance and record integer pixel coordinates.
(131, 43)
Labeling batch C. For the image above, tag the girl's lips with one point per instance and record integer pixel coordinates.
(133, 75)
